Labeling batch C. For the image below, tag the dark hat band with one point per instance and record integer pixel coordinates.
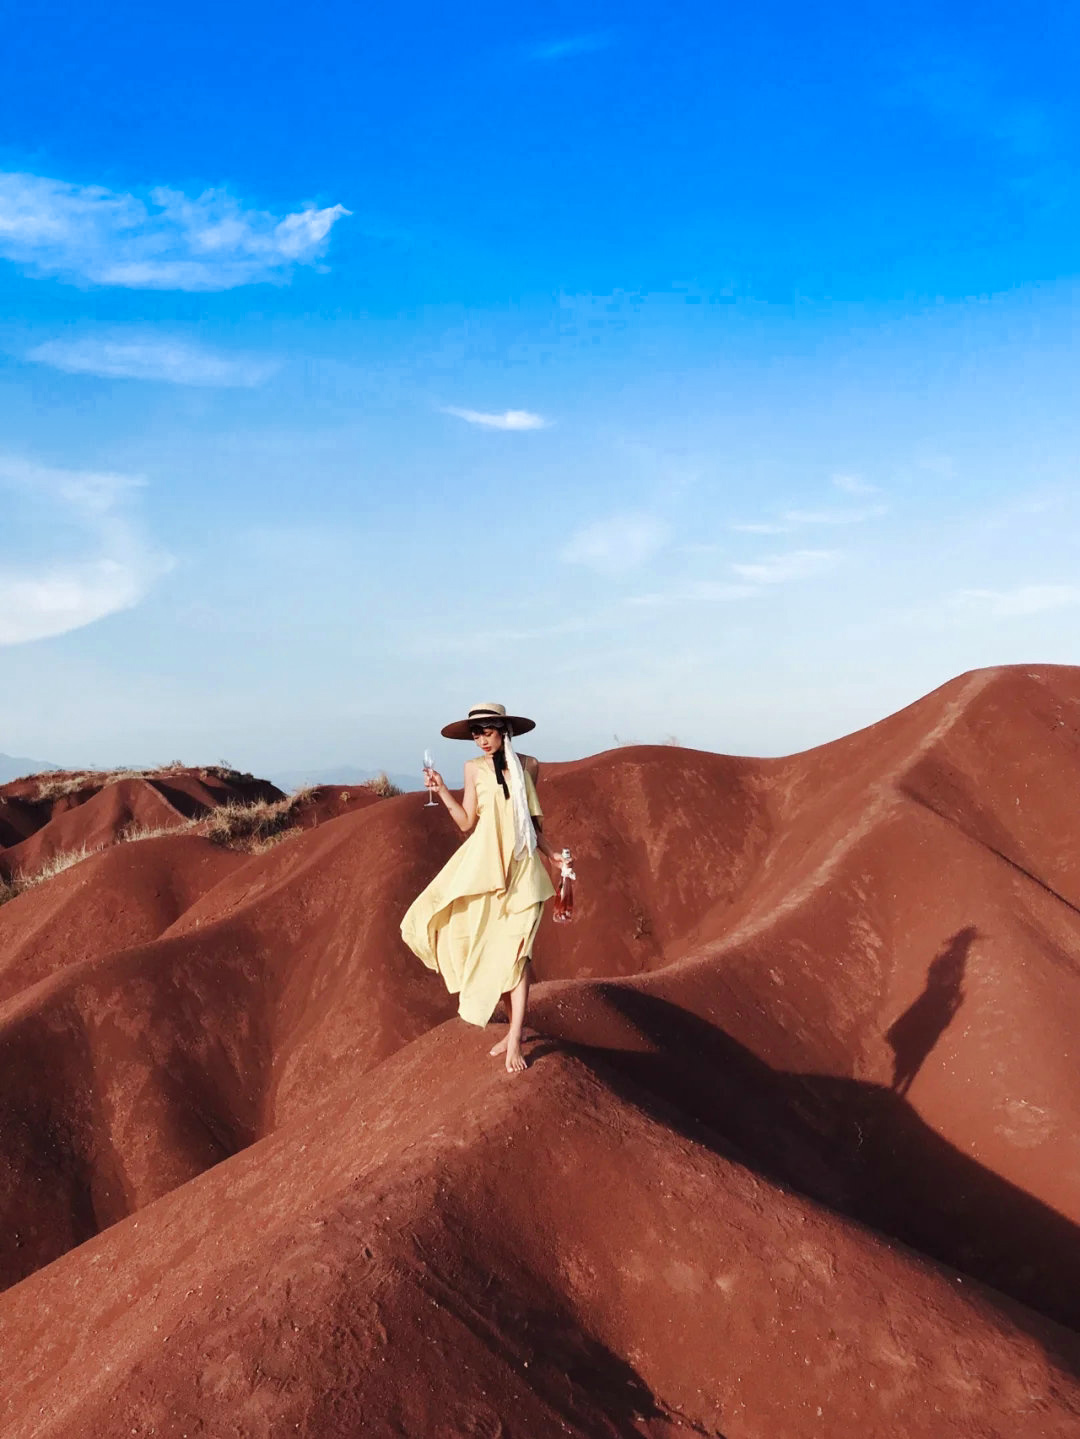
(485, 717)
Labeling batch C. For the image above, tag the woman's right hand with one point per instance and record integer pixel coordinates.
(434, 781)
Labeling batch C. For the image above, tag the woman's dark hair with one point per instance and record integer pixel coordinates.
(500, 754)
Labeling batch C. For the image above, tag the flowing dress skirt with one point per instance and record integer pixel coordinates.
(476, 921)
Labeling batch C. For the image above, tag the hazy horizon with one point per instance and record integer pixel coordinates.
(652, 370)
(449, 756)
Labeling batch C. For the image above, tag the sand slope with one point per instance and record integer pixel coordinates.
(124, 895)
(255, 1180)
(426, 1258)
(56, 814)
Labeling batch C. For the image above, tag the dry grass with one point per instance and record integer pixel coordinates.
(255, 826)
(20, 882)
(54, 787)
(262, 845)
(382, 784)
(66, 784)
(50, 787)
(133, 833)
(252, 828)
(224, 770)
(237, 830)
(66, 859)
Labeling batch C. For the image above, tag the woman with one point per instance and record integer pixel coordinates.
(476, 921)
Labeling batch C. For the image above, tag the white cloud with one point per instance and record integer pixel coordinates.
(793, 519)
(752, 579)
(570, 45)
(168, 242)
(55, 594)
(51, 602)
(854, 485)
(832, 517)
(1022, 600)
(150, 358)
(779, 569)
(701, 592)
(508, 420)
(618, 544)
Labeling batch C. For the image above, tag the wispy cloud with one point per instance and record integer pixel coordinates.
(570, 45)
(86, 233)
(492, 639)
(152, 358)
(796, 565)
(790, 520)
(943, 467)
(833, 517)
(507, 420)
(701, 592)
(617, 544)
(982, 104)
(750, 580)
(114, 571)
(854, 485)
(972, 99)
(1021, 600)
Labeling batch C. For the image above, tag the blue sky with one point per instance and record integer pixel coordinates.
(659, 371)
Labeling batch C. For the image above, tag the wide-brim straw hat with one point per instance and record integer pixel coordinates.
(488, 714)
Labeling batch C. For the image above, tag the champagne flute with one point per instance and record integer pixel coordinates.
(429, 764)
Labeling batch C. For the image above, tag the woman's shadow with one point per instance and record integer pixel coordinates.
(919, 1028)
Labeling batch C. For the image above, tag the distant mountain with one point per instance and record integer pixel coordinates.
(12, 767)
(340, 774)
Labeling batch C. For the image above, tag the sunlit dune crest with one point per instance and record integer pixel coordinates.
(794, 1155)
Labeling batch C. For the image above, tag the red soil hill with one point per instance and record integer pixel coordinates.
(852, 973)
(124, 895)
(436, 1253)
(43, 817)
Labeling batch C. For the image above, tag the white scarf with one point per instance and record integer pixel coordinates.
(524, 831)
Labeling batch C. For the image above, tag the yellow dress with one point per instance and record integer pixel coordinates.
(476, 921)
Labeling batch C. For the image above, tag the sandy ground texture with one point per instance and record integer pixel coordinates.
(796, 1153)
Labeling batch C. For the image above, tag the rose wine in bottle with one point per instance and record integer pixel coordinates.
(564, 895)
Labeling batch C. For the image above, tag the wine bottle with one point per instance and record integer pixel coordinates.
(564, 895)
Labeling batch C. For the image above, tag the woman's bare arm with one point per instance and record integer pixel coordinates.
(463, 814)
(550, 851)
(544, 845)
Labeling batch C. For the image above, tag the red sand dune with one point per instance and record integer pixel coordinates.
(43, 816)
(322, 802)
(125, 895)
(796, 1155)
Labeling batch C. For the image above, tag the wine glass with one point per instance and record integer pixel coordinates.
(429, 764)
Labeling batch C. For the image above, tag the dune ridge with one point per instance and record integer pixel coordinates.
(60, 812)
(803, 1103)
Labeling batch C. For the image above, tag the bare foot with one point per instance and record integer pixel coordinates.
(500, 1048)
(515, 1060)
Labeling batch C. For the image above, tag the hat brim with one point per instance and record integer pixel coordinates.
(462, 729)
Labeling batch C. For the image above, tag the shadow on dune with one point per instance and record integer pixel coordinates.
(919, 1028)
(52, 1198)
(858, 1147)
(572, 1371)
